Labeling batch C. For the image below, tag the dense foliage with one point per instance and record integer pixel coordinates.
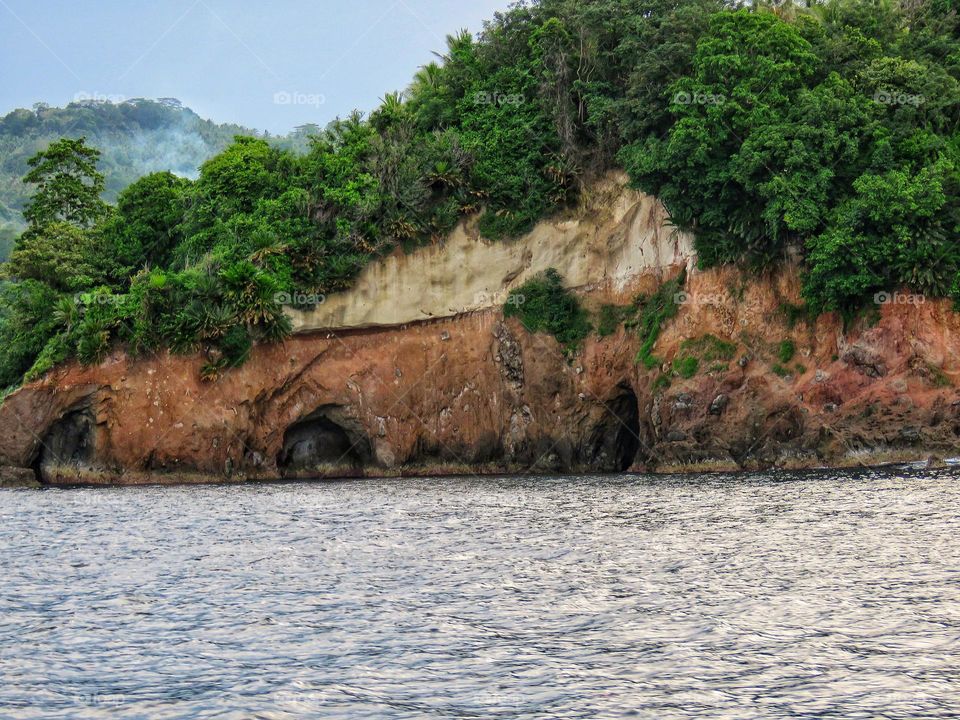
(828, 133)
(831, 132)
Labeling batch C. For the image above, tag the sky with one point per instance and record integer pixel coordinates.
(270, 64)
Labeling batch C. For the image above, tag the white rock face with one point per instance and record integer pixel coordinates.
(617, 236)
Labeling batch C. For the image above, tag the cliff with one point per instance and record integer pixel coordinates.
(416, 371)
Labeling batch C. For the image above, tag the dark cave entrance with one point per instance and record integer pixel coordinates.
(626, 410)
(68, 443)
(615, 439)
(324, 442)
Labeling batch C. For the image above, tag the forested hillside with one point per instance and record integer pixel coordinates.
(136, 137)
(828, 133)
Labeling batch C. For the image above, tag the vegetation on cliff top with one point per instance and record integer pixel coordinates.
(828, 132)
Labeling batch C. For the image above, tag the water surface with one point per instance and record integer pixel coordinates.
(829, 594)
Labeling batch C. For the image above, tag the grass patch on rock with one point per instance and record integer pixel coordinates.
(786, 350)
(611, 317)
(686, 366)
(652, 314)
(710, 348)
(779, 370)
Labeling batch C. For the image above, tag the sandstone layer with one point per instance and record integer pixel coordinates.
(615, 239)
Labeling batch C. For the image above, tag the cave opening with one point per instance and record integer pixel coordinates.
(68, 443)
(325, 442)
(615, 440)
(626, 444)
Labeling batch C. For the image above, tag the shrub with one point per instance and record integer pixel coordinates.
(57, 350)
(661, 382)
(938, 378)
(27, 324)
(543, 304)
(93, 344)
(779, 370)
(795, 313)
(610, 318)
(236, 345)
(786, 350)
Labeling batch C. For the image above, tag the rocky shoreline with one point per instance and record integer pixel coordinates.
(73, 476)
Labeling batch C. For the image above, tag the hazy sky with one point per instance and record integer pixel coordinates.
(270, 64)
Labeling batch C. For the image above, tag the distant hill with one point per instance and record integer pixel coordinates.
(137, 137)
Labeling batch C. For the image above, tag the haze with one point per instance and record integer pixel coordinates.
(270, 65)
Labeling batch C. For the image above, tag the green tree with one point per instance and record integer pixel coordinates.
(27, 322)
(896, 230)
(67, 185)
(59, 254)
(145, 229)
(747, 73)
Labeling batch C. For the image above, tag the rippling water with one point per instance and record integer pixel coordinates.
(739, 596)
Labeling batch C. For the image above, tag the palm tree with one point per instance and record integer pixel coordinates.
(457, 44)
(425, 80)
(444, 174)
(392, 103)
(390, 112)
(66, 312)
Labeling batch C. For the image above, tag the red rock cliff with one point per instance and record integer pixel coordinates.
(472, 392)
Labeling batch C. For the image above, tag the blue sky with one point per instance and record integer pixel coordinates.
(269, 64)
